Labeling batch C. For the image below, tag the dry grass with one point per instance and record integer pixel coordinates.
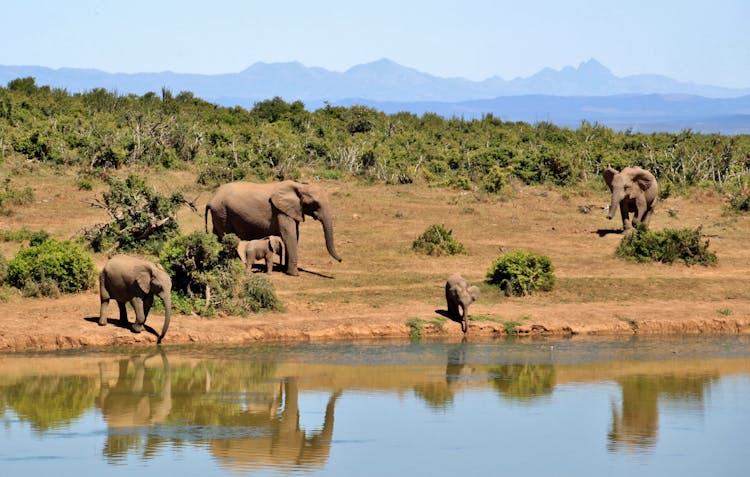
(376, 224)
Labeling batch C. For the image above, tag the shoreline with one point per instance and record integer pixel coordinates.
(69, 323)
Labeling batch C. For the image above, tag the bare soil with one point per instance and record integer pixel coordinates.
(382, 285)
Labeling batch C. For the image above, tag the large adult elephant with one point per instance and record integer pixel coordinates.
(131, 279)
(253, 211)
(633, 190)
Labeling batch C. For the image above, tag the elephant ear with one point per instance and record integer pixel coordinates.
(609, 175)
(644, 179)
(143, 280)
(288, 201)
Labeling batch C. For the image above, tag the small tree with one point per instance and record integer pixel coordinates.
(140, 217)
(522, 273)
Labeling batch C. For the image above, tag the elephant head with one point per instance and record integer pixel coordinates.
(633, 190)
(296, 200)
(158, 282)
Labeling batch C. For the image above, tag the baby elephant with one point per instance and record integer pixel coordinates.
(458, 292)
(130, 279)
(261, 249)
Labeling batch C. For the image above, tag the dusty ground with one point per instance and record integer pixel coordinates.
(381, 284)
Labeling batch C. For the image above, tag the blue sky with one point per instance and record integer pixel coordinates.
(688, 40)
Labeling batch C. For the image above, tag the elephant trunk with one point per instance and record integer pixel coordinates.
(167, 299)
(616, 198)
(328, 231)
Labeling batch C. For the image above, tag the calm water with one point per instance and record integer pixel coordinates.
(579, 407)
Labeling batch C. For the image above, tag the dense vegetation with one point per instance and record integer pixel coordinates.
(100, 130)
(207, 276)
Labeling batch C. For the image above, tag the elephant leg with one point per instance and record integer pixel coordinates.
(148, 300)
(140, 317)
(289, 234)
(640, 211)
(647, 216)
(103, 312)
(625, 214)
(269, 261)
(123, 312)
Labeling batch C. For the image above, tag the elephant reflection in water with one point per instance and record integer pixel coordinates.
(134, 401)
(283, 444)
(636, 424)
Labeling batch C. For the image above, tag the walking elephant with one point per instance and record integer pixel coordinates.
(459, 293)
(253, 211)
(633, 190)
(130, 279)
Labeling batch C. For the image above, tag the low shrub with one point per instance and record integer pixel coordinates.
(667, 246)
(238, 292)
(207, 276)
(739, 201)
(35, 237)
(522, 273)
(436, 240)
(11, 195)
(51, 267)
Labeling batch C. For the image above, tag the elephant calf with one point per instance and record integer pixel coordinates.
(130, 279)
(459, 293)
(261, 249)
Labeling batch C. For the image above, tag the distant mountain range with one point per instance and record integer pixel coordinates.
(566, 97)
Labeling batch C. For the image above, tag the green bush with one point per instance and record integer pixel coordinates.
(436, 240)
(522, 273)
(51, 267)
(667, 246)
(199, 263)
(188, 258)
(235, 291)
(496, 179)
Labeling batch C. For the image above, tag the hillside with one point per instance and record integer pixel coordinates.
(382, 283)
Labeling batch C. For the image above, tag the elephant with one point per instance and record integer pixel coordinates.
(633, 190)
(140, 397)
(130, 279)
(253, 211)
(260, 249)
(459, 293)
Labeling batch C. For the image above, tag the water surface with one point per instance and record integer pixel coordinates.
(674, 406)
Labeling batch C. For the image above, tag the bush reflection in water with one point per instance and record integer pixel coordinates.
(245, 409)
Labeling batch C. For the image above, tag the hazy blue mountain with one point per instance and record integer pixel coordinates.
(565, 97)
(643, 113)
(381, 80)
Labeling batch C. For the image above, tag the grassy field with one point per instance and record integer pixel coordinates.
(376, 224)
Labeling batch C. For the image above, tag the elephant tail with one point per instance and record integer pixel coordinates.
(205, 217)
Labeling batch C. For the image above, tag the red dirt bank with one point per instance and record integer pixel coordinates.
(70, 323)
